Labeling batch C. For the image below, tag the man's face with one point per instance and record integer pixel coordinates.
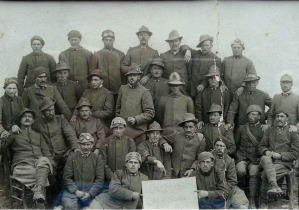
(41, 80)
(281, 119)
(251, 85)
(206, 165)
(108, 42)
(36, 46)
(175, 89)
(214, 117)
(156, 71)
(62, 76)
(175, 45)
(154, 136)
(74, 41)
(133, 79)
(86, 147)
(219, 147)
(189, 128)
(27, 119)
(84, 112)
(143, 38)
(132, 165)
(206, 47)
(214, 81)
(11, 90)
(286, 86)
(96, 82)
(118, 130)
(254, 117)
(237, 50)
(49, 113)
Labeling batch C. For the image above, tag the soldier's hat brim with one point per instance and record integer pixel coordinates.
(25, 110)
(181, 124)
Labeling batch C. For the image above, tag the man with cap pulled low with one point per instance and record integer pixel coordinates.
(236, 67)
(213, 93)
(279, 149)
(77, 58)
(212, 188)
(69, 90)
(175, 105)
(31, 159)
(156, 163)
(83, 175)
(109, 60)
(215, 129)
(115, 148)
(85, 123)
(135, 105)
(35, 59)
(247, 138)
(34, 94)
(125, 187)
(251, 95)
(185, 147)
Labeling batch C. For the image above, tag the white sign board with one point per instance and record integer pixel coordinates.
(170, 194)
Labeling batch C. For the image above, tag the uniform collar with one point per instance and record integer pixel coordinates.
(238, 57)
(99, 88)
(254, 125)
(250, 92)
(142, 46)
(75, 48)
(62, 84)
(287, 93)
(173, 95)
(190, 137)
(282, 127)
(9, 98)
(174, 53)
(133, 86)
(37, 53)
(154, 144)
(42, 87)
(85, 155)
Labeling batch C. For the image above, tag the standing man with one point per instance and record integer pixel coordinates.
(109, 60)
(135, 105)
(78, 58)
(31, 61)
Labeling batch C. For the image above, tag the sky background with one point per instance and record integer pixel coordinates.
(270, 30)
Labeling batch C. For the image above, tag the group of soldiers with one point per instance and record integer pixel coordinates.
(94, 126)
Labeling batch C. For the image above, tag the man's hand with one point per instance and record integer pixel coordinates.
(187, 56)
(144, 80)
(228, 126)
(15, 129)
(85, 197)
(200, 124)
(293, 128)
(188, 172)
(74, 118)
(265, 127)
(200, 88)
(276, 156)
(160, 166)
(5, 134)
(268, 153)
(96, 151)
(167, 147)
(77, 150)
(79, 194)
(202, 193)
(136, 196)
(131, 120)
(239, 91)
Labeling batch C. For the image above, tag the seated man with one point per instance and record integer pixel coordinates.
(211, 183)
(83, 175)
(279, 148)
(124, 188)
(156, 163)
(31, 158)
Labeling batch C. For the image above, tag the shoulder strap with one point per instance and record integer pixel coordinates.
(251, 136)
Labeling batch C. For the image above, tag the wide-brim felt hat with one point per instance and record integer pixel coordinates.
(213, 71)
(46, 103)
(25, 110)
(83, 102)
(134, 69)
(144, 29)
(251, 77)
(215, 108)
(173, 36)
(155, 126)
(175, 79)
(62, 66)
(188, 117)
(204, 38)
(96, 72)
(85, 138)
(158, 62)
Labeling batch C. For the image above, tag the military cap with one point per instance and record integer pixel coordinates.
(204, 38)
(175, 79)
(37, 38)
(251, 77)
(238, 42)
(62, 66)
(134, 69)
(188, 117)
(144, 29)
(222, 140)
(11, 80)
(286, 78)
(174, 34)
(282, 110)
(133, 155)
(116, 121)
(40, 70)
(96, 72)
(74, 33)
(46, 103)
(83, 102)
(254, 108)
(26, 110)
(108, 33)
(85, 137)
(215, 108)
(158, 62)
(205, 155)
(213, 71)
(155, 126)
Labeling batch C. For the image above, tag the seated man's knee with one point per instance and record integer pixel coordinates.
(254, 170)
(70, 203)
(241, 170)
(265, 160)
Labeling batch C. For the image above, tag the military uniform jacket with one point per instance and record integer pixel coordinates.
(70, 92)
(110, 62)
(141, 56)
(150, 152)
(281, 141)
(31, 99)
(206, 98)
(185, 151)
(59, 135)
(212, 133)
(10, 108)
(84, 173)
(114, 153)
(247, 150)
(135, 102)
(29, 63)
(241, 103)
(79, 60)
